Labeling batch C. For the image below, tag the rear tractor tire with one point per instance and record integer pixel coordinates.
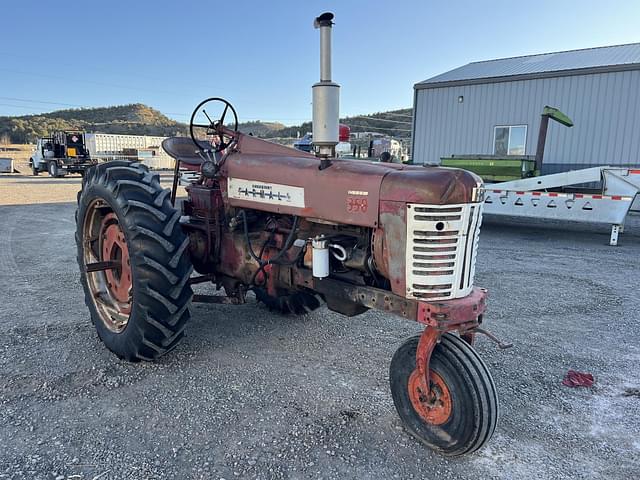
(129, 238)
(34, 169)
(461, 415)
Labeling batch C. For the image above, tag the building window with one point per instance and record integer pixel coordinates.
(509, 140)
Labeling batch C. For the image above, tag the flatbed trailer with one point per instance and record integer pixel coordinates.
(545, 197)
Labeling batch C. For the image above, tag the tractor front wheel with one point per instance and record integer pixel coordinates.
(133, 258)
(459, 414)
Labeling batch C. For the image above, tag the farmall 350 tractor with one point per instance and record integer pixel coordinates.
(298, 229)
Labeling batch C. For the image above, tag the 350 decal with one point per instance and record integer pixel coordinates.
(357, 204)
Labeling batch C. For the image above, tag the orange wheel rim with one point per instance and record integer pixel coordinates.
(435, 406)
(114, 248)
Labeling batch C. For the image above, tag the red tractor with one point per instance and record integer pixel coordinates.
(298, 229)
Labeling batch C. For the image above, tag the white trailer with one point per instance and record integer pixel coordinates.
(531, 198)
(107, 146)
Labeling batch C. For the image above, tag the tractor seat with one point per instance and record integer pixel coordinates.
(184, 150)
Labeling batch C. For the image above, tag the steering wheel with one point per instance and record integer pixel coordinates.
(214, 127)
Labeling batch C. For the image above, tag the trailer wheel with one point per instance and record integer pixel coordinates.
(133, 258)
(294, 303)
(462, 415)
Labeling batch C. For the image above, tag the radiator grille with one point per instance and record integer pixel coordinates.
(442, 241)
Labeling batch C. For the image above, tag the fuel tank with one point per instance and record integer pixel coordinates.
(270, 177)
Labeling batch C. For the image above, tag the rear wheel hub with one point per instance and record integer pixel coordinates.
(114, 248)
(111, 287)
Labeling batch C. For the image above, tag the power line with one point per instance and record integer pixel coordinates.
(17, 106)
(42, 101)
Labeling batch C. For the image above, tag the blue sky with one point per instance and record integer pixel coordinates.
(263, 56)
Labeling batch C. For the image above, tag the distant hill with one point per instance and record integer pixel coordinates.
(135, 119)
(395, 123)
(139, 119)
(260, 129)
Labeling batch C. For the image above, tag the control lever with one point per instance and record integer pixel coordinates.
(501, 345)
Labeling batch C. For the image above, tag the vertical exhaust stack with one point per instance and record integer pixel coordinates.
(326, 97)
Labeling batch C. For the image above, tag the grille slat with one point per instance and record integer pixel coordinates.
(442, 243)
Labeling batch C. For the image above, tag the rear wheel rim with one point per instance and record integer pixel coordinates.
(112, 289)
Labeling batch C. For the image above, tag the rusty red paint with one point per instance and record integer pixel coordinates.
(434, 405)
(114, 248)
(447, 315)
(327, 191)
(429, 185)
(357, 204)
(429, 394)
(393, 215)
(378, 248)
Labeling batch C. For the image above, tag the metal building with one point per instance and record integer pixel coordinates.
(494, 107)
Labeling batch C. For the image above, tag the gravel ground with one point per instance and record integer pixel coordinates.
(252, 394)
(25, 189)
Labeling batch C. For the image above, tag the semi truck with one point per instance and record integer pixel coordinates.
(61, 153)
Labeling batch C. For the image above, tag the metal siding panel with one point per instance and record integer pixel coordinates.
(427, 107)
(419, 130)
(605, 109)
(418, 133)
(423, 102)
(440, 130)
(622, 84)
(631, 123)
(598, 153)
(532, 125)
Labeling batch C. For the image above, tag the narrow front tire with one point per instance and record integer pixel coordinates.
(462, 414)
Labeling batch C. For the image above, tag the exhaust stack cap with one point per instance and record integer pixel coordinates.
(326, 94)
(323, 20)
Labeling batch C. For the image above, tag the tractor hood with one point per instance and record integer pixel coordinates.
(280, 179)
(430, 185)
